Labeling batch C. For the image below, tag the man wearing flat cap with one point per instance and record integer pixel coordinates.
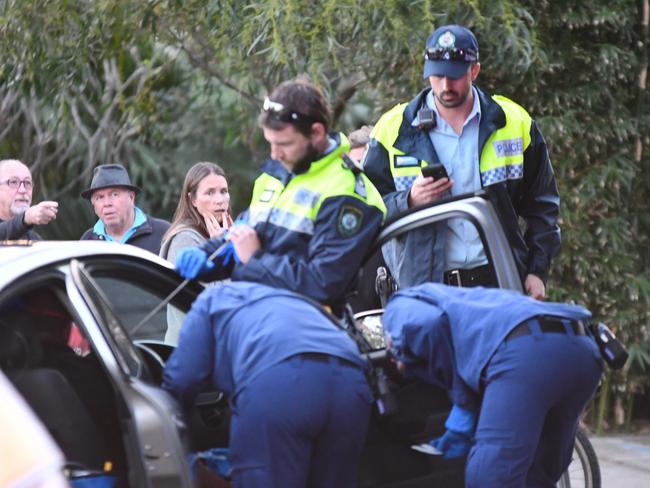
(113, 198)
(484, 143)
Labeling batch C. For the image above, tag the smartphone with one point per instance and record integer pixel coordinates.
(436, 170)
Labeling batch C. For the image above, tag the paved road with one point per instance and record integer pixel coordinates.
(624, 460)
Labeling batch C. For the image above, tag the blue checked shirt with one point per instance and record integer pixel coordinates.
(460, 156)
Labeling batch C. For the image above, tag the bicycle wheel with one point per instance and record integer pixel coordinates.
(584, 470)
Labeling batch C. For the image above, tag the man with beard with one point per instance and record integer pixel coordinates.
(17, 215)
(483, 142)
(312, 216)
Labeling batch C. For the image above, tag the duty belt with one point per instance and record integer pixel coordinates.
(322, 357)
(547, 324)
(480, 276)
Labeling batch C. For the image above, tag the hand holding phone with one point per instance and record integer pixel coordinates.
(426, 191)
(437, 171)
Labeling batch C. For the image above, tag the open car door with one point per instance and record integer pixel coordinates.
(421, 409)
(153, 426)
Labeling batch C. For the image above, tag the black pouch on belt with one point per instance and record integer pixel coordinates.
(611, 349)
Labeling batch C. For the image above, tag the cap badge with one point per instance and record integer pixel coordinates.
(447, 39)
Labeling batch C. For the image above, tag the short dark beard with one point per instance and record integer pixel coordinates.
(457, 103)
(302, 165)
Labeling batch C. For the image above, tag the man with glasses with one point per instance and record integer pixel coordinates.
(113, 198)
(17, 215)
(313, 214)
(483, 142)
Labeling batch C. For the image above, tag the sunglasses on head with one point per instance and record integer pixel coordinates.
(284, 114)
(451, 54)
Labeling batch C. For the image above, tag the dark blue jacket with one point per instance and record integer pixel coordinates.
(15, 228)
(534, 197)
(236, 331)
(446, 335)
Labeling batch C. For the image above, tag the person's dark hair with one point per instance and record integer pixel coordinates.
(186, 214)
(302, 98)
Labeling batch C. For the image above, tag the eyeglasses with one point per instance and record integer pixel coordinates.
(451, 54)
(14, 183)
(283, 114)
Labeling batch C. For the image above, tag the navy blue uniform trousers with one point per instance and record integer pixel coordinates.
(301, 423)
(535, 388)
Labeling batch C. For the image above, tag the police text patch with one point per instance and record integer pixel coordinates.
(508, 147)
(349, 221)
(306, 198)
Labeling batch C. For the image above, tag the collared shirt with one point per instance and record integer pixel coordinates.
(331, 145)
(140, 218)
(459, 154)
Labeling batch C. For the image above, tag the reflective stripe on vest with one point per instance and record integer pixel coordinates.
(502, 156)
(295, 207)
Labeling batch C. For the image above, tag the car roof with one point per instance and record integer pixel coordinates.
(19, 257)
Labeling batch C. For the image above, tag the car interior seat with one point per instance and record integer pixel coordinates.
(60, 409)
(14, 348)
(71, 394)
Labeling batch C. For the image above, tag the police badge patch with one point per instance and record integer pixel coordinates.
(349, 221)
(447, 40)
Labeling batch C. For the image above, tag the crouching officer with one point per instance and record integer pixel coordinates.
(299, 396)
(531, 367)
(312, 216)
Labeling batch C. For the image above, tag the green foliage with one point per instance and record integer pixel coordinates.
(162, 84)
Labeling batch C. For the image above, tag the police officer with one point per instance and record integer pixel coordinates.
(300, 400)
(530, 367)
(483, 142)
(312, 215)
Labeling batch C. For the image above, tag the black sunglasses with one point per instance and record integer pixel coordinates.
(451, 54)
(283, 114)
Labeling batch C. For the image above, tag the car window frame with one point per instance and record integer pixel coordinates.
(475, 208)
(107, 321)
(138, 272)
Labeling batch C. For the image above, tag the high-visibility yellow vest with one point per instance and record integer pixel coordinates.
(296, 206)
(502, 156)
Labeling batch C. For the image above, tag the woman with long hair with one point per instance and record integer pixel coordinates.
(203, 210)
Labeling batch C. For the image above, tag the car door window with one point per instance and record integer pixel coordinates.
(129, 359)
(132, 302)
(134, 289)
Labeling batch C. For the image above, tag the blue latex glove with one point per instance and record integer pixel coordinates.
(461, 420)
(457, 441)
(216, 459)
(228, 253)
(192, 262)
(453, 444)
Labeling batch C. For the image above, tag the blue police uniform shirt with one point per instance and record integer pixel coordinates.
(238, 330)
(140, 218)
(424, 320)
(459, 154)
